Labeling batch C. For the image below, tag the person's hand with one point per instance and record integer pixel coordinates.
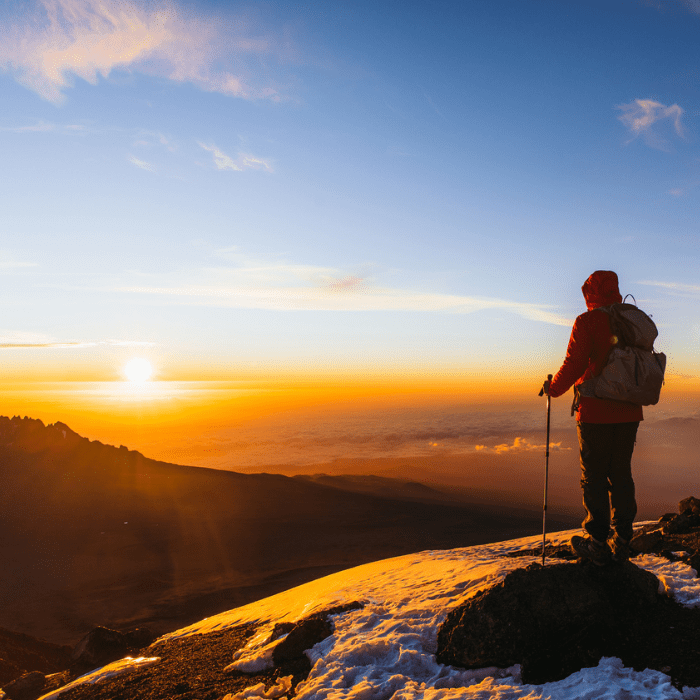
(544, 391)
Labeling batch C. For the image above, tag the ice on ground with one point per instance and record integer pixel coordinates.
(116, 668)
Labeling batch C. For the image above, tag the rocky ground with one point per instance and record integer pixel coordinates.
(665, 636)
(194, 667)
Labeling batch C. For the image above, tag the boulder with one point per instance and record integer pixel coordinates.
(679, 524)
(645, 542)
(304, 635)
(103, 645)
(691, 504)
(27, 687)
(552, 620)
(694, 562)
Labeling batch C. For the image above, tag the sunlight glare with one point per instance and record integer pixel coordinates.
(138, 370)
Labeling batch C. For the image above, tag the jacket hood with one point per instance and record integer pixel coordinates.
(601, 289)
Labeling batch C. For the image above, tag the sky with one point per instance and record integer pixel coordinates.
(287, 207)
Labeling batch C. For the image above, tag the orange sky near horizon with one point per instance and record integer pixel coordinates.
(159, 417)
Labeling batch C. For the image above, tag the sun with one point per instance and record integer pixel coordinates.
(138, 370)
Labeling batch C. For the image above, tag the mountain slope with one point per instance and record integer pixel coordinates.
(383, 649)
(99, 535)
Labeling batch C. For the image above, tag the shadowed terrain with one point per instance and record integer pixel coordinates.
(99, 535)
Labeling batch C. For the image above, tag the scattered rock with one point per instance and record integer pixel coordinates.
(553, 620)
(691, 504)
(694, 562)
(645, 542)
(27, 687)
(679, 524)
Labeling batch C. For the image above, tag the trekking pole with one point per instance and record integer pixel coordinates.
(546, 466)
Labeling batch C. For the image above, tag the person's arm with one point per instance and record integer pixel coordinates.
(576, 362)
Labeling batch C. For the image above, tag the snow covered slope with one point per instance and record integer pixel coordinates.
(387, 649)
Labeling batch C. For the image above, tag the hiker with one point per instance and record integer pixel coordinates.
(606, 429)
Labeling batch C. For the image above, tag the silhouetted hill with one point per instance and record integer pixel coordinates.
(99, 535)
(21, 653)
(377, 486)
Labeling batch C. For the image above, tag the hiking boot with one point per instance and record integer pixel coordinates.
(619, 548)
(588, 548)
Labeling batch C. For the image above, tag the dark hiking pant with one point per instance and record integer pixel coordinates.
(606, 478)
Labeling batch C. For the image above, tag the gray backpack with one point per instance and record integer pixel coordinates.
(634, 372)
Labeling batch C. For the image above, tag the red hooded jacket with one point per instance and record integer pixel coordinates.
(589, 345)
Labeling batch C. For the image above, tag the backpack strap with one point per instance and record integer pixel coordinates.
(577, 400)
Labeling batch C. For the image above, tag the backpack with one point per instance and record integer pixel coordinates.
(633, 372)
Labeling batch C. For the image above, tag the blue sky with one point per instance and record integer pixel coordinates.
(356, 186)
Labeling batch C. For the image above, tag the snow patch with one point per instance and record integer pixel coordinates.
(676, 579)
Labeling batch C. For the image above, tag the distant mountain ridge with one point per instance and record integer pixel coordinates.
(31, 435)
(101, 535)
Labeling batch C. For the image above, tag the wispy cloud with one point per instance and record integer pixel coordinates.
(63, 39)
(33, 341)
(675, 287)
(641, 116)
(6, 346)
(9, 262)
(288, 287)
(682, 191)
(432, 104)
(141, 164)
(44, 127)
(244, 161)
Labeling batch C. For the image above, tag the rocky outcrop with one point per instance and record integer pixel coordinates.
(102, 646)
(691, 504)
(306, 633)
(687, 518)
(553, 620)
(674, 532)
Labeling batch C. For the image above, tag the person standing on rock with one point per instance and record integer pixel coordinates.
(607, 429)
